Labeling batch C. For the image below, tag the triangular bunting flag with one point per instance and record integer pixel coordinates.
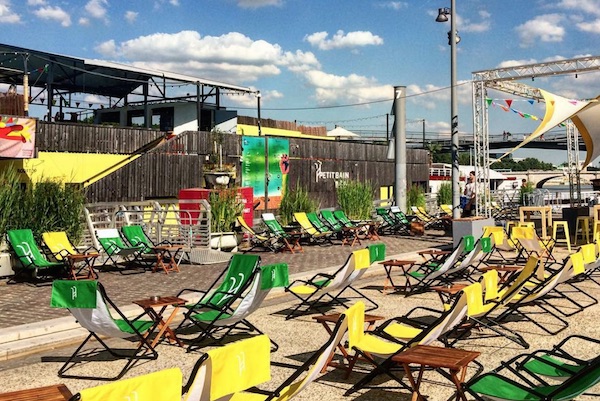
(489, 101)
(531, 101)
(508, 102)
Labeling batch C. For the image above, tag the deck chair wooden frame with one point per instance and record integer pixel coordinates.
(100, 324)
(401, 218)
(289, 240)
(31, 258)
(218, 324)
(390, 224)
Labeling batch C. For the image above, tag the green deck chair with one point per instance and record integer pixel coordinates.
(214, 322)
(314, 234)
(137, 237)
(115, 249)
(225, 291)
(288, 240)
(499, 387)
(88, 303)
(32, 260)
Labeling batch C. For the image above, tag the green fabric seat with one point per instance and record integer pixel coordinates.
(29, 254)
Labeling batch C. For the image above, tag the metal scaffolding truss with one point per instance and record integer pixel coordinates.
(504, 80)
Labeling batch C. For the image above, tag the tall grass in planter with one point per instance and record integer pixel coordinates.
(296, 200)
(415, 196)
(356, 199)
(44, 206)
(444, 195)
(225, 206)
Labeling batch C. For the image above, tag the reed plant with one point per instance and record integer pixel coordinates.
(296, 200)
(356, 199)
(444, 195)
(43, 206)
(225, 206)
(415, 196)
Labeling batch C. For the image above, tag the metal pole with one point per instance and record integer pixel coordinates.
(454, 114)
(423, 133)
(258, 96)
(25, 85)
(400, 146)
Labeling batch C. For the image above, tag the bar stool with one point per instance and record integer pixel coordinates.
(585, 228)
(565, 229)
(527, 224)
(596, 230)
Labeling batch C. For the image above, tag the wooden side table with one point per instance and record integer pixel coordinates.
(155, 308)
(405, 265)
(439, 358)
(168, 253)
(88, 260)
(57, 392)
(329, 321)
(505, 272)
(448, 292)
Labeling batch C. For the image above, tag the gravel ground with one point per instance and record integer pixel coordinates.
(298, 337)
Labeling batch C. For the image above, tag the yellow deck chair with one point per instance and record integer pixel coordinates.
(224, 373)
(62, 248)
(258, 240)
(164, 385)
(308, 228)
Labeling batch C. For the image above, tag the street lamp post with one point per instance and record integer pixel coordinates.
(258, 96)
(453, 39)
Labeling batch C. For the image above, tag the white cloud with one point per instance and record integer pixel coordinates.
(467, 25)
(232, 57)
(7, 15)
(545, 27)
(97, 8)
(174, 2)
(592, 27)
(108, 48)
(394, 5)
(259, 3)
(54, 14)
(586, 6)
(343, 40)
(131, 16)
(35, 3)
(333, 89)
(515, 63)
(84, 21)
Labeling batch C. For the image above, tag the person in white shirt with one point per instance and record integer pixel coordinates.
(470, 192)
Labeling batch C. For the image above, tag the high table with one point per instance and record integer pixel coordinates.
(546, 213)
(439, 358)
(56, 392)
(155, 308)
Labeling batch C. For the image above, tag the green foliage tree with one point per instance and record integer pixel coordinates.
(529, 163)
(356, 199)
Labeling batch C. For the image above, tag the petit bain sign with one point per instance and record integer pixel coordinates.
(329, 175)
(17, 137)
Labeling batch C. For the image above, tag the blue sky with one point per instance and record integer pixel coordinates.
(306, 56)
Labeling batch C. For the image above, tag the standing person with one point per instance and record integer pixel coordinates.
(470, 192)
